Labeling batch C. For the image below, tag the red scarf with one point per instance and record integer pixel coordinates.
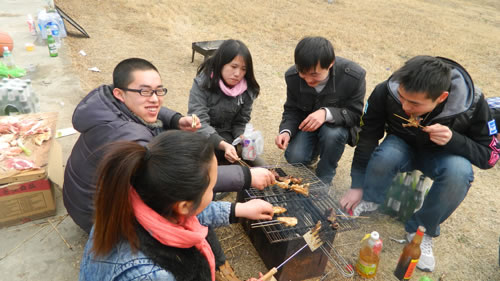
(187, 234)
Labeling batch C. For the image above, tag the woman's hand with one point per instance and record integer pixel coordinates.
(229, 151)
(255, 209)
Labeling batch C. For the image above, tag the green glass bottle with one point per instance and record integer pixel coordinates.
(391, 193)
(51, 42)
(405, 196)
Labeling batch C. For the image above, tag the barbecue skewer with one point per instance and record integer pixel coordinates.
(242, 163)
(279, 158)
(265, 223)
(407, 120)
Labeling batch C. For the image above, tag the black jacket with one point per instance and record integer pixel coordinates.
(343, 95)
(465, 112)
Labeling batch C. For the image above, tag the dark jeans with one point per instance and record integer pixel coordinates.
(328, 142)
(452, 175)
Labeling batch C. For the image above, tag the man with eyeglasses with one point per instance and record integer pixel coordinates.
(434, 120)
(130, 109)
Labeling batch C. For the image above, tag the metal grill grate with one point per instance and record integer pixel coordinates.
(307, 209)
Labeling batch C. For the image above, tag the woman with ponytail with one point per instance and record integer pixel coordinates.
(153, 206)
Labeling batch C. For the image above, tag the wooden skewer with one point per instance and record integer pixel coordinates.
(22, 242)
(420, 126)
(243, 163)
(60, 235)
(356, 217)
(279, 159)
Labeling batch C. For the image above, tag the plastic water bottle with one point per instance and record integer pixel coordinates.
(57, 37)
(31, 25)
(8, 60)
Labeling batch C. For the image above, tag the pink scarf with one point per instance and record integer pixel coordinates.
(185, 235)
(235, 91)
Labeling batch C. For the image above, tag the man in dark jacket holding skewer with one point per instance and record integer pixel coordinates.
(437, 122)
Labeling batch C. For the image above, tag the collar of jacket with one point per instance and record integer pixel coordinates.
(329, 87)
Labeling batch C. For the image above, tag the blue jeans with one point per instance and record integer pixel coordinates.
(328, 142)
(452, 175)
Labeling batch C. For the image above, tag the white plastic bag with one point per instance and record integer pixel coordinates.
(252, 143)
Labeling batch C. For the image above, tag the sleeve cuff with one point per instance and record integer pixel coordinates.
(329, 116)
(232, 214)
(215, 139)
(175, 121)
(247, 177)
(357, 179)
(287, 131)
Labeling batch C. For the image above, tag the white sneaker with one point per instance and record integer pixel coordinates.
(426, 261)
(364, 206)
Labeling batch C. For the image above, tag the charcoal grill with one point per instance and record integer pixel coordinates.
(276, 242)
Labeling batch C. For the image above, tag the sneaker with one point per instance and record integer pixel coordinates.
(225, 273)
(426, 262)
(363, 207)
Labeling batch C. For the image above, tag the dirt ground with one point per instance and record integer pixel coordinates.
(379, 35)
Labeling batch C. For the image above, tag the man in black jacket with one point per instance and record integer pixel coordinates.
(451, 128)
(324, 102)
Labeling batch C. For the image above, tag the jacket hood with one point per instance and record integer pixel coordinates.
(98, 107)
(461, 93)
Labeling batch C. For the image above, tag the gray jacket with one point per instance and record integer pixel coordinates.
(102, 119)
(220, 114)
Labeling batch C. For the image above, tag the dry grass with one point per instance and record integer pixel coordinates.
(379, 35)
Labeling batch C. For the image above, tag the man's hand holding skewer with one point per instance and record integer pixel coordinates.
(439, 134)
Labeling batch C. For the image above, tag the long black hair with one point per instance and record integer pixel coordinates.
(173, 167)
(212, 67)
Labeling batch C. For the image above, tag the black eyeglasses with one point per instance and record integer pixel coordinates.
(147, 93)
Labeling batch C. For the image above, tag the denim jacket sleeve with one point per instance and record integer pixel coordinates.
(215, 214)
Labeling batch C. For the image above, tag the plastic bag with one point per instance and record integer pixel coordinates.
(252, 143)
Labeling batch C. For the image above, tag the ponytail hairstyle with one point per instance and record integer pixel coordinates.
(212, 67)
(173, 167)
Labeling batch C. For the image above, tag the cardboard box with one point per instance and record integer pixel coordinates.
(21, 202)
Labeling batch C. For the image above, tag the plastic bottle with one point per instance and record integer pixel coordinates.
(57, 36)
(31, 25)
(8, 60)
(410, 256)
(369, 255)
(51, 42)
